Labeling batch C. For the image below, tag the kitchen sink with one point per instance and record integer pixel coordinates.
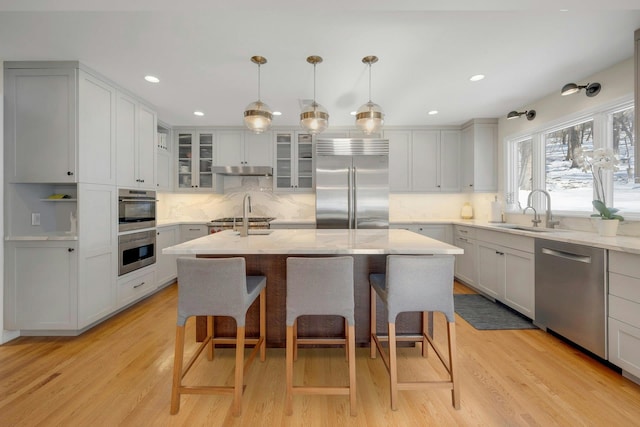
(528, 228)
(259, 232)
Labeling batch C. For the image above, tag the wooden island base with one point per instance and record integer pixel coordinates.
(274, 267)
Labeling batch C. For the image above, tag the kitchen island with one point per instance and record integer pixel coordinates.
(266, 254)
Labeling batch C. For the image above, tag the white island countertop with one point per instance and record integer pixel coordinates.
(315, 242)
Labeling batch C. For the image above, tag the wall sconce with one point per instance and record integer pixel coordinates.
(591, 89)
(529, 114)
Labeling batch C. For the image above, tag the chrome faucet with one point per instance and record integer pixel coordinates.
(246, 203)
(548, 219)
(536, 219)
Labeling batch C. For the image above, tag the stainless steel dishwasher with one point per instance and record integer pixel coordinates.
(571, 293)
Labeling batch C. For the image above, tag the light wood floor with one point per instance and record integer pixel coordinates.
(119, 373)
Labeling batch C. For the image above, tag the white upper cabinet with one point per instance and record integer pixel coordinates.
(424, 160)
(294, 169)
(136, 143)
(59, 124)
(195, 160)
(480, 155)
(164, 163)
(244, 148)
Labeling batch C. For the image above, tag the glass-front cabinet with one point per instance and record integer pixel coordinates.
(195, 160)
(294, 162)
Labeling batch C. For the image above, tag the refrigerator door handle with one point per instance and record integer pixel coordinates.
(350, 198)
(355, 198)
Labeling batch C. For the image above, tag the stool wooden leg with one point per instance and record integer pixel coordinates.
(372, 344)
(453, 364)
(263, 324)
(289, 368)
(393, 367)
(425, 327)
(351, 344)
(295, 340)
(238, 383)
(346, 337)
(177, 370)
(210, 333)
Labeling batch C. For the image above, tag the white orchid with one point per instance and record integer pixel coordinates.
(596, 161)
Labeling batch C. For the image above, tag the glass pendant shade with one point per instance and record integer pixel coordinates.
(258, 115)
(314, 118)
(369, 118)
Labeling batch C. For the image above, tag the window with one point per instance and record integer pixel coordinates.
(570, 188)
(626, 194)
(547, 159)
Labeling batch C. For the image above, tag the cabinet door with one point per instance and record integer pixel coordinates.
(41, 123)
(166, 265)
(97, 127)
(146, 149)
(230, 148)
(205, 159)
(304, 162)
(491, 270)
(284, 167)
(186, 143)
(449, 161)
(164, 170)
(41, 286)
(258, 149)
(425, 155)
(485, 157)
(127, 119)
(466, 158)
(399, 160)
(465, 267)
(520, 282)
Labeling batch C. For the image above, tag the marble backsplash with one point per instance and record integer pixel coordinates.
(301, 206)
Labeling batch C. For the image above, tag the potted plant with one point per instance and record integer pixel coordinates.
(596, 161)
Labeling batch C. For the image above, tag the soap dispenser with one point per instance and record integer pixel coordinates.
(467, 211)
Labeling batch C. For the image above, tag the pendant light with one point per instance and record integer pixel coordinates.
(258, 115)
(369, 117)
(314, 117)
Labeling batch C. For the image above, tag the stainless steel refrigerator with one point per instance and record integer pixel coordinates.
(352, 183)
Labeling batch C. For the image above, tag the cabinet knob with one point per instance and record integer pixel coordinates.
(69, 173)
(70, 250)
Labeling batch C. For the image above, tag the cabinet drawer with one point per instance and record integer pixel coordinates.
(463, 231)
(624, 346)
(192, 231)
(624, 286)
(624, 263)
(521, 243)
(624, 310)
(135, 287)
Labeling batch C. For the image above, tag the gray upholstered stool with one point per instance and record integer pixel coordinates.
(415, 283)
(320, 286)
(216, 287)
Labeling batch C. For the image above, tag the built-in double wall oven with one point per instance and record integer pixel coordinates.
(136, 211)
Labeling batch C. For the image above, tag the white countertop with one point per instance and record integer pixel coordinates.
(315, 242)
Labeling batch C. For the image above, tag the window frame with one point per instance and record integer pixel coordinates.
(602, 137)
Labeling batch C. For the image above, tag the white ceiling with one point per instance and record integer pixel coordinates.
(200, 50)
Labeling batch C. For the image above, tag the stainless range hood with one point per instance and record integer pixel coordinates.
(243, 170)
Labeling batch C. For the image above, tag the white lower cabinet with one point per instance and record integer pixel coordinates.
(506, 269)
(624, 312)
(441, 232)
(42, 285)
(465, 266)
(135, 285)
(192, 231)
(166, 265)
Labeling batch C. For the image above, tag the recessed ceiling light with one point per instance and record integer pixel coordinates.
(277, 113)
(198, 113)
(433, 112)
(476, 77)
(564, 10)
(152, 79)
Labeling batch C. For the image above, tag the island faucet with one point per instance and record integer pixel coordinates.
(548, 220)
(246, 208)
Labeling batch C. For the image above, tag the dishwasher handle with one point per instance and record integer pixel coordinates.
(567, 255)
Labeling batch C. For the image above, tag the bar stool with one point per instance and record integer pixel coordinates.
(320, 286)
(216, 287)
(415, 283)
